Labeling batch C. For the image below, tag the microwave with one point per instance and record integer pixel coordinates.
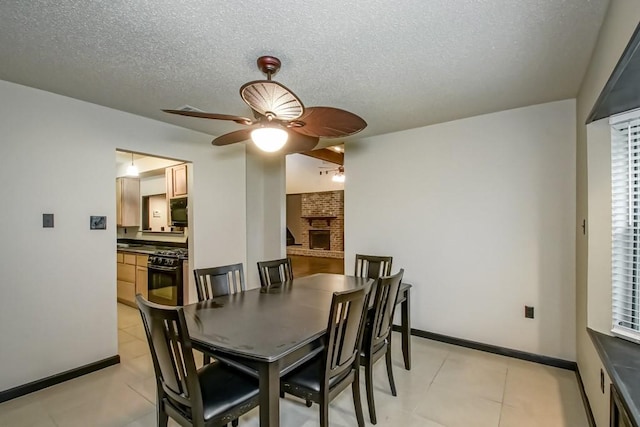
(179, 212)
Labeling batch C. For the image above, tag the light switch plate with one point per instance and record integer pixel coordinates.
(98, 222)
(47, 220)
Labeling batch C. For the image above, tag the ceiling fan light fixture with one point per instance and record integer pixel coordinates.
(269, 139)
(132, 170)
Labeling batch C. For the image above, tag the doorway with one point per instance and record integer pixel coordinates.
(152, 232)
(315, 211)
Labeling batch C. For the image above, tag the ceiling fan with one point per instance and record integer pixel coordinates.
(280, 117)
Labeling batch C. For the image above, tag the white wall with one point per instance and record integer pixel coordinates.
(593, 295)
(303, 175)
(266, 212)
(58, 286)
(158, 218)
(480, 212)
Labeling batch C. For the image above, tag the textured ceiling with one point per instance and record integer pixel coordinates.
(398, 65)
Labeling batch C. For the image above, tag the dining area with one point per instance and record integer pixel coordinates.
(308, 339)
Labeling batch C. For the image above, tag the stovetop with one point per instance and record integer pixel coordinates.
(173, 253)
(168, 257)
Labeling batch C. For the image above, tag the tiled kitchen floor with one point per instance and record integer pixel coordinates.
(448, 386)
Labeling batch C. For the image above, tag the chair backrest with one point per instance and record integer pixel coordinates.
(372, 267)
(384, 304)
(172, 354)
(344, 331)
(217, 281)
(275, 272)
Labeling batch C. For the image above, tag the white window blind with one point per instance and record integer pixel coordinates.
(625, 216)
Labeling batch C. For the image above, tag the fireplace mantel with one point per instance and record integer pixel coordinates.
(328, 219)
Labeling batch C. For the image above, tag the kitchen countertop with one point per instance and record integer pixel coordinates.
(142, 249)
(621, 359)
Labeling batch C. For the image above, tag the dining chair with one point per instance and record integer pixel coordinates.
(217, 281)
(211, 396)
(275, 272)
(372, 266)
(377, 335)
(338, 366)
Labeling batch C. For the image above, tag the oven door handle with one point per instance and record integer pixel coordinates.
(161, 268)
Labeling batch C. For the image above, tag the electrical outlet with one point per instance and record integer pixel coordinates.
(47, 220)
(528, 312)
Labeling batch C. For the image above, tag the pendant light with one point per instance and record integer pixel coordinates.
(132, 170)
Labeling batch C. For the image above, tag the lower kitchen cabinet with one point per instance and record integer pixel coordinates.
(142, 276)
(132, 277)
(619, 416)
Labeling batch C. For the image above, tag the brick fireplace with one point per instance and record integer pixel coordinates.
(321, 225)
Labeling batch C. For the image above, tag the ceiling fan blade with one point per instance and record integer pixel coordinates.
(233, 137)
(267, 96)
(203, 115)
(329, 122)
(297, 143)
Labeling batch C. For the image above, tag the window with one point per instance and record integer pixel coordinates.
(625, 224)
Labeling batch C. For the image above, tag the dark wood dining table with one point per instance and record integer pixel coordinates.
(271, 331)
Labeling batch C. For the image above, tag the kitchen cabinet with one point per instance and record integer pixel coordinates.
(131, 277)
(619, 416)
(126, 275)
(142, 276)
(176, 177)
(127, 202)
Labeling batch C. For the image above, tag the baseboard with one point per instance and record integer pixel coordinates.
(585, 399)
(531, 357)
(21, 390)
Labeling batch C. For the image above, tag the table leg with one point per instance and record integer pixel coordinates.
(406, 329)
(269, 380)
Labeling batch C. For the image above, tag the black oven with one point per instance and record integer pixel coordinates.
(165, 279)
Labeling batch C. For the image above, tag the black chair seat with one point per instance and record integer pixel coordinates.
(309, 375)
(224, 388)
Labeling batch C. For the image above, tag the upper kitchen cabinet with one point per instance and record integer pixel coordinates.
(127, 202)
(176, 181)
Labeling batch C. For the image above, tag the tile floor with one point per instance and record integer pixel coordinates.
(448, 386)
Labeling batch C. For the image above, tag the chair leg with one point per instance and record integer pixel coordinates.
(234, 423)
(368, 379)
(324, 412)
(308, 403)
(206, 359)
(389, 363)
(163, 418)
(357, 402)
